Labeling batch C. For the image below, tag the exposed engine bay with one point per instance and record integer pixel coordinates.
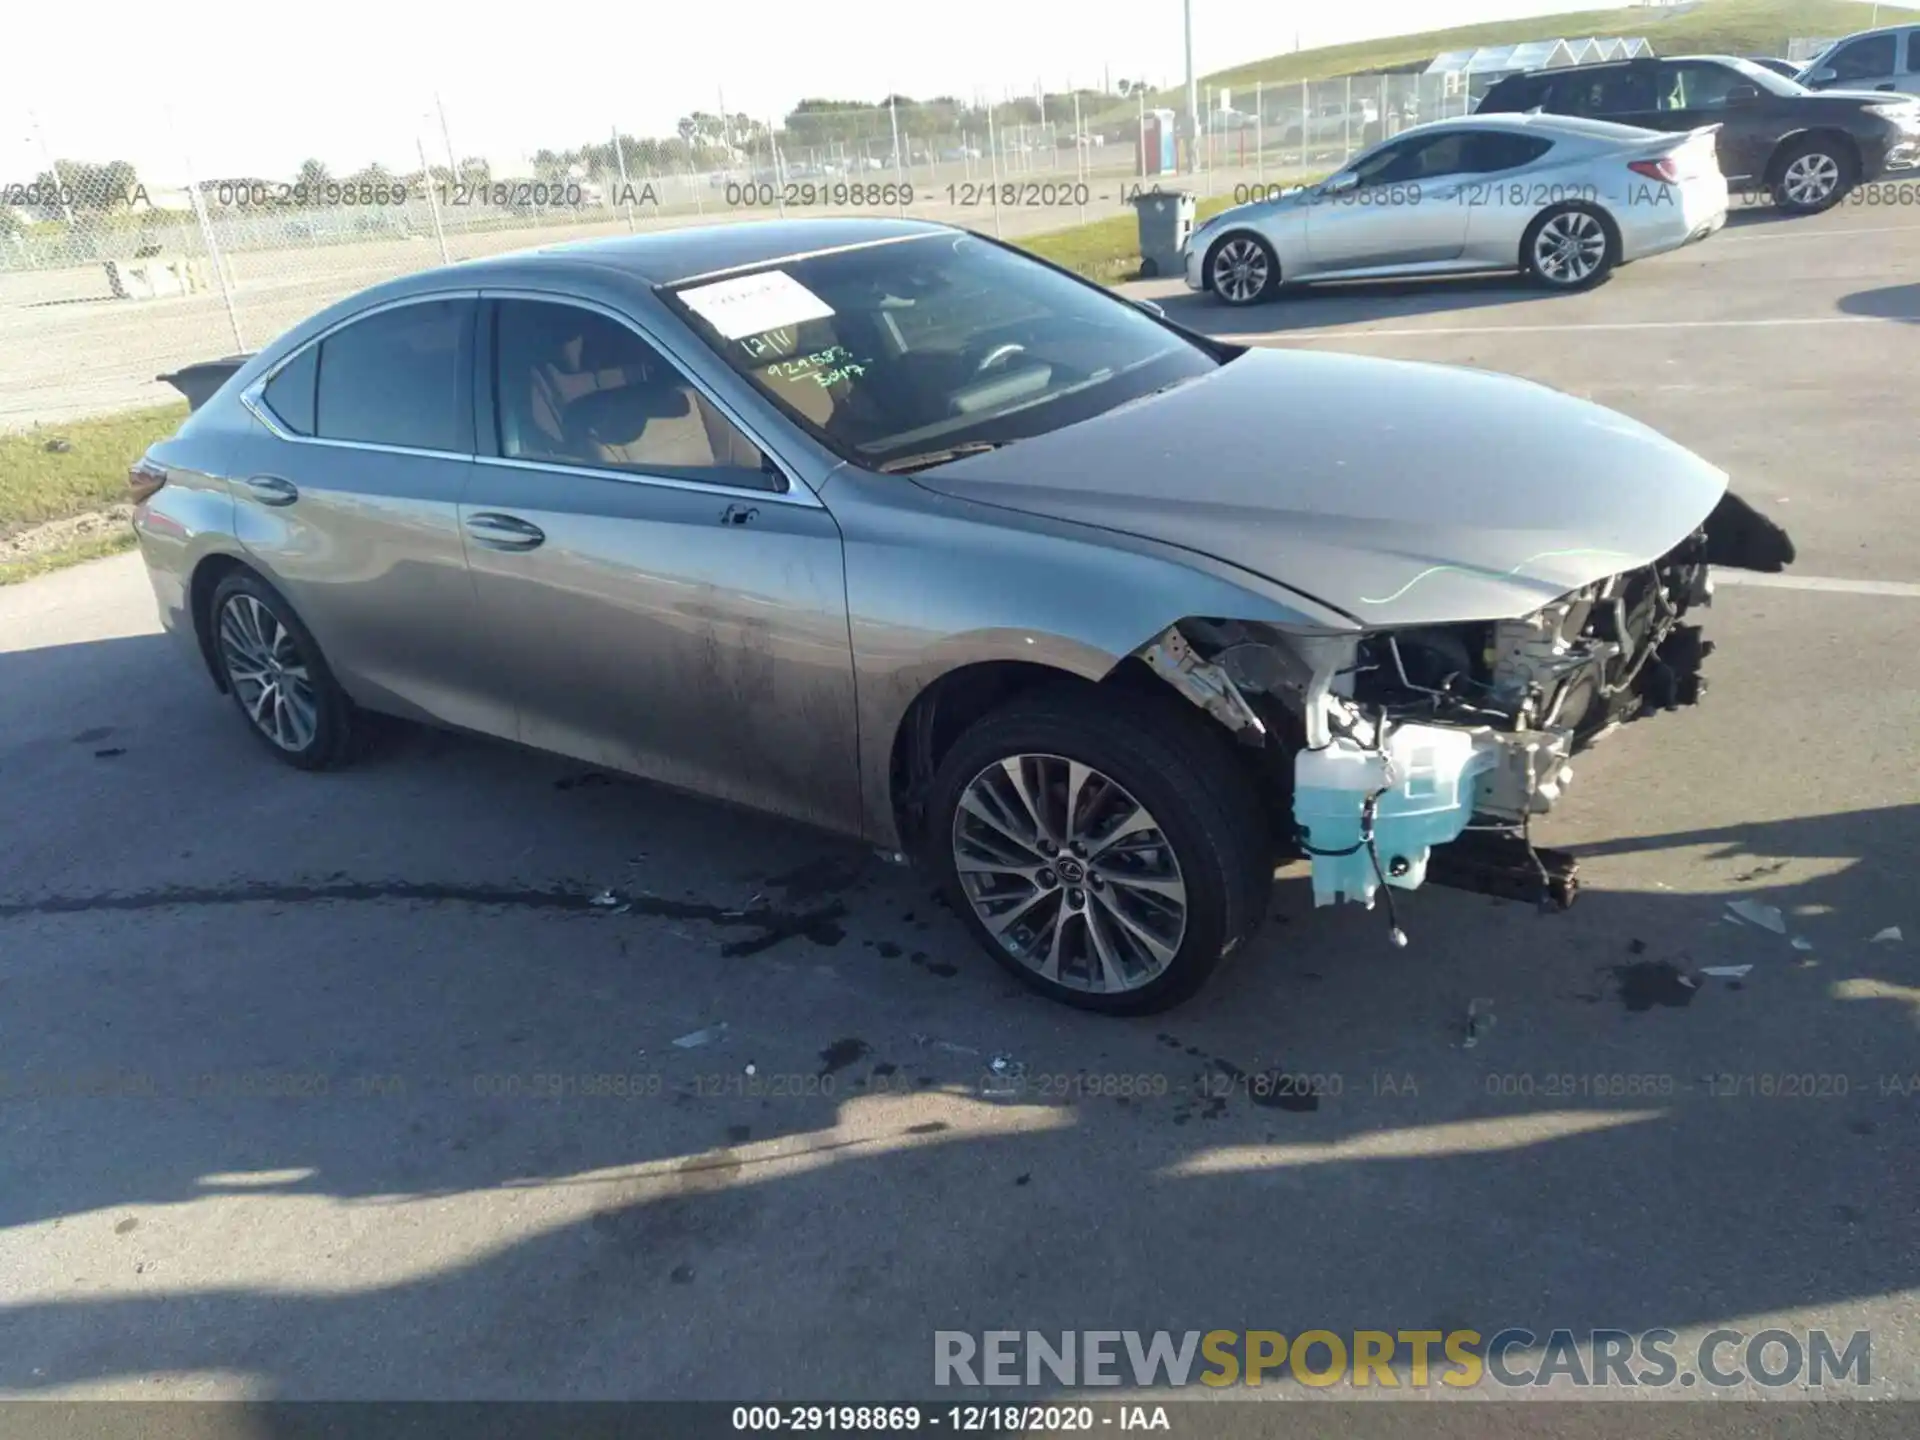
(1404, 740)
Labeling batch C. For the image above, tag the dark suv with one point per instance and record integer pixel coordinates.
(1807, 148)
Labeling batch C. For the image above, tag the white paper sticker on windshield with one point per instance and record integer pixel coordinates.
(752, 304)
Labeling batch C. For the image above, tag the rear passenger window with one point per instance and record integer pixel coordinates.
(1513, 95)
(397, 378)
(289, 395)
(1913, 51)
(1604, 93)
(1492, 151)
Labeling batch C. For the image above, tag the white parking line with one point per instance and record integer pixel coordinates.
(1896, 589)
(1723, 238)
(1558, 329)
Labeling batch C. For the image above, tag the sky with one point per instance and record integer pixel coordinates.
(222, 89)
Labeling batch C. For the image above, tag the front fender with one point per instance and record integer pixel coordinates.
(936, 584)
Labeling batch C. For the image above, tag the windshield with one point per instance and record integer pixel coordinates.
(1770, 81)
(901, 350)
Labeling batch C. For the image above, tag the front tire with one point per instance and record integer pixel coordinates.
(1569, 247)
(1108, 850)
(1242, 269)
(1813, 175)
(277, 676)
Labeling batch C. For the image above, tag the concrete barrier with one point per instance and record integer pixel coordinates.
(155, 276)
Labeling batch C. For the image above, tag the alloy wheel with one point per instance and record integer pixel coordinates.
(269, 673)
(1570, 247)
(1240, 270)
(1069, 873)
(1810, 178)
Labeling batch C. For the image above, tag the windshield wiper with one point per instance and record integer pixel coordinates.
(927, 459)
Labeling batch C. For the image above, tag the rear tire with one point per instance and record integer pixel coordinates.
(1569, 248)
(1812, 175)
(1242, 269)
(279, 680)
(1141, 857)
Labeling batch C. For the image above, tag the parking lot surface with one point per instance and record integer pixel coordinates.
(342, 1086)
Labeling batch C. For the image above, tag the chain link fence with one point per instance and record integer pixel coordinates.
(109, 278)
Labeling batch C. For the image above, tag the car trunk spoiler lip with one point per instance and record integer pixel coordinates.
(1679, 139)
(202, 380)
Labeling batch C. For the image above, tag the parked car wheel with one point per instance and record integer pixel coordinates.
(1569, 247)
(1242, 269)
(1107, 851)
(277, 676)
(1812, 175)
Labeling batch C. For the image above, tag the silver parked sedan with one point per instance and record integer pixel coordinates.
(887, 527)
(1563, 200)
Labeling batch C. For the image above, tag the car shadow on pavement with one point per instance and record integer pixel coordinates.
(1627, 1142)
(1759, 212)
(1351, 302)
(1890, 302)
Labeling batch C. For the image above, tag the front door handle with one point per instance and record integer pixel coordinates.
(504, 532)
(271, 489)
(738, 514)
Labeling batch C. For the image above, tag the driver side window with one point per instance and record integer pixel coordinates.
(1866, 59)
(1427, 158)
(1698, 87)
(575, 387)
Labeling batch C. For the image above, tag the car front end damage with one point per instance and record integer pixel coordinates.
(1424, 753)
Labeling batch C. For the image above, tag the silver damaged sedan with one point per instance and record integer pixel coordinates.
(892, 529)
(1561, 199)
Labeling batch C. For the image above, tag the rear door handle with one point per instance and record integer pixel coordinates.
(271, 489)
(504, 532)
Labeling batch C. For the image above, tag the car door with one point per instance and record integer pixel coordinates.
(1403, 208)
(350, 504)
(668, 600)
(1692, 93)
(1501, 195)
(1871, 62)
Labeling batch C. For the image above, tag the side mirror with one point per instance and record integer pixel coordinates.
(1743, 95)
(1826, 75)
(1341, 183)
(1151, 308)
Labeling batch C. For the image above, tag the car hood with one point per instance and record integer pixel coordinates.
(1396, 492)
(1838, 101)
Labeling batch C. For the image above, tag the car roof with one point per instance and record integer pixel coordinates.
(667, 257)
(1877, 30)
(1518, 120)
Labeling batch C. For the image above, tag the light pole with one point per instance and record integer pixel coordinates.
(1193, 98)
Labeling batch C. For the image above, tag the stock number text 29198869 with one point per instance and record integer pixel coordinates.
(855, 194)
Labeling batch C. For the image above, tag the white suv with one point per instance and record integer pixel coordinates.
(1884, 59)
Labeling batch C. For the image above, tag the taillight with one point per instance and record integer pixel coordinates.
(1664, 169)
(144, 479)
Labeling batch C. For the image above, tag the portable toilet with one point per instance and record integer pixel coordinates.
(1157, 138)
